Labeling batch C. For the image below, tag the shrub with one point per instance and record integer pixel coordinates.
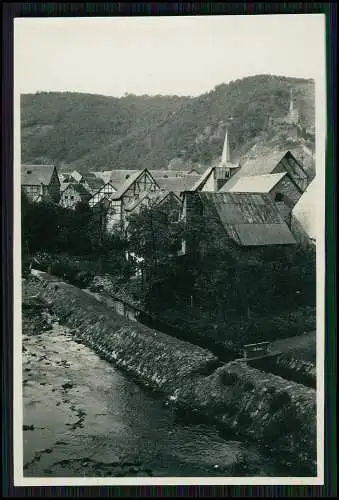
(229, 378)
(280, 401)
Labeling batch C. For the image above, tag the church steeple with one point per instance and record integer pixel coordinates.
(225, 157)
(225, 169)
(291, 102)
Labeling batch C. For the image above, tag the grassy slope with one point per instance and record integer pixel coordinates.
(94, 132)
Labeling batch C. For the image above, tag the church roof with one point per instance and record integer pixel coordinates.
(253, 184)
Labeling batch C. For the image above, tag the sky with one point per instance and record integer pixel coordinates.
(162, 55)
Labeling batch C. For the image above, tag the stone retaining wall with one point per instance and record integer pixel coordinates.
(289, 367)
(238, 397)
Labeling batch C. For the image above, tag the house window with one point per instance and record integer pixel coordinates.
(72, 198)
(66, 197)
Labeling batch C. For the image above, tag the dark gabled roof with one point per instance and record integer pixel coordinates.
(93, 182)
(34, 175)
(249, 219)
(79, 188)
(170, 194)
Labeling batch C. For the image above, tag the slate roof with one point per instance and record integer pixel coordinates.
(253, 184)
(159, 174)
(249, 219)
(34, 175)
(105, 175)
(119, 177)
(93, 182)
(178, 184)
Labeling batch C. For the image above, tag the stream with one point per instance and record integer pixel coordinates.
(83, 417)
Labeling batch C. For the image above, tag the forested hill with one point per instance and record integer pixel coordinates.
(93, 132)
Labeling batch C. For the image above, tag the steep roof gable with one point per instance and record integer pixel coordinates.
(34, 175)
(129, 182)
(101, 194)
(263, 164)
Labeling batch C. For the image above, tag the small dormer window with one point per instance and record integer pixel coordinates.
(29, 171)
(127, 176)
(279, 197)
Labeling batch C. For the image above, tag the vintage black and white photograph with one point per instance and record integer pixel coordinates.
(169, 249)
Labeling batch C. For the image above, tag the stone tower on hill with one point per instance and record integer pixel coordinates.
(293, 113)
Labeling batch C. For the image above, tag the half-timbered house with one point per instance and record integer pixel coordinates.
(168, 201)
(132, 189)
(105, 192)
(40, 182)
(74, 193)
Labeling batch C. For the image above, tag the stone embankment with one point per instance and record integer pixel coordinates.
(289, 367)
(238, 397)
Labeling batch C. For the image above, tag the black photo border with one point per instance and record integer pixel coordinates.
(55, 9)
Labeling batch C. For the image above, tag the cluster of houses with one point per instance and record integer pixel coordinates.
(120, 193)
(253, 203)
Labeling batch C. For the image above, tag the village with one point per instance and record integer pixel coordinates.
(261, 193)
(235, 285)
